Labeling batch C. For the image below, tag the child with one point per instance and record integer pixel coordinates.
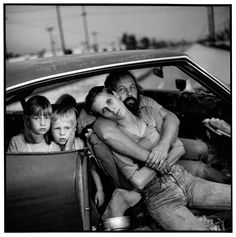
(37, 120)
(64, 121)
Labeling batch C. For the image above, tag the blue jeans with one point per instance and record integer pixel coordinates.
(194, 149)
(168, 196)
(202, 170)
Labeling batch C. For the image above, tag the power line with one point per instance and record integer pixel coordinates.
(50, 18)
(107, 12)
(159, 10)
(29, 10)
(28, 24)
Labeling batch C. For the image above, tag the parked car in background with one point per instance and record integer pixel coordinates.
(51, 191)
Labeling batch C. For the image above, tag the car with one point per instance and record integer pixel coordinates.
(47, 192)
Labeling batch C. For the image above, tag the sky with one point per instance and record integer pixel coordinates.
(26, 25)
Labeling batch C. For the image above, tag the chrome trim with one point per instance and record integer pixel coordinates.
(91, 69)
(217, 80)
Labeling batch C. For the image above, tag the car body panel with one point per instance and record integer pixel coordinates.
(22, 72)
(22, 77)
(45, 192)
(50, 192)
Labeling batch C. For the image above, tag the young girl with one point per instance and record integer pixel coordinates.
(37, 120)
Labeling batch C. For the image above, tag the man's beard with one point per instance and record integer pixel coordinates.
(132, 104)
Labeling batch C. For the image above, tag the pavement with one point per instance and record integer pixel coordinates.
(215, 61)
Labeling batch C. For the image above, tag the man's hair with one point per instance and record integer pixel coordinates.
(36, 105)
(65, 111)
(115, 77)
(90, 98)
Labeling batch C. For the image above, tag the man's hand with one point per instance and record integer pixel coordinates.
(165, 168)
(157, 156)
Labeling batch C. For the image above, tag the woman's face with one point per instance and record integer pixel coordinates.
(109, 106)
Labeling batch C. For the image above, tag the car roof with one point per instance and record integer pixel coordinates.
(25, 71)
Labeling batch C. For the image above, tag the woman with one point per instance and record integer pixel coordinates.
(166, 193)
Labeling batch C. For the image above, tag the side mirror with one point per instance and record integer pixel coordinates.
(180, 84)
(158, 71)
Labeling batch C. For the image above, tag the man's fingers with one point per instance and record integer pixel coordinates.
(149, 161)
(168, 168)
(160, 164)
(165, 170)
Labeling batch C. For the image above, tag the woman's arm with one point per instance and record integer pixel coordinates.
(142, 177)
(110, 134)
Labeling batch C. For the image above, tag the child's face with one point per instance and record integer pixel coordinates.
(40, 124)
(61, 130)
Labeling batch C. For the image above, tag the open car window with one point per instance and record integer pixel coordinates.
(165, 78)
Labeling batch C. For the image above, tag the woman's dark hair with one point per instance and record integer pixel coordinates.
(90, 98)
(115, 77)
(36, 105)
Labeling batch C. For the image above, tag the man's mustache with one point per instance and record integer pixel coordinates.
(130, 100)
(132, 104)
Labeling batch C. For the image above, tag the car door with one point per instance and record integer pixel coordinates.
(46, 192)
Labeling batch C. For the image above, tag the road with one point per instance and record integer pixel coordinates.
(215, 61)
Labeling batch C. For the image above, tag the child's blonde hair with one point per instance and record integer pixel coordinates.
(65, 111)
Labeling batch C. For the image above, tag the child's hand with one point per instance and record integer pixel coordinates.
(70, 142)
(99, 198)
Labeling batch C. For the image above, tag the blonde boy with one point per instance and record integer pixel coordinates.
(63, 129)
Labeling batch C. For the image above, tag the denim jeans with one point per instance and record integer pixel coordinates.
(202, 170)
(168, 196)
(195, 149)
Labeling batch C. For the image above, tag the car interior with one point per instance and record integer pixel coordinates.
(190, 101)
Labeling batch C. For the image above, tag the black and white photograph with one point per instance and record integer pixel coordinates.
(117, 117)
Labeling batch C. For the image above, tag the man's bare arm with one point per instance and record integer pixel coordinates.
(170, 128)
(111, 134)
(175, 154)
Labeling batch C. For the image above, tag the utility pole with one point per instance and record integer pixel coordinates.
(50, 29)
(5, 43)
(60, 30)
(211, 23)
(85, 29)
(95, 41)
